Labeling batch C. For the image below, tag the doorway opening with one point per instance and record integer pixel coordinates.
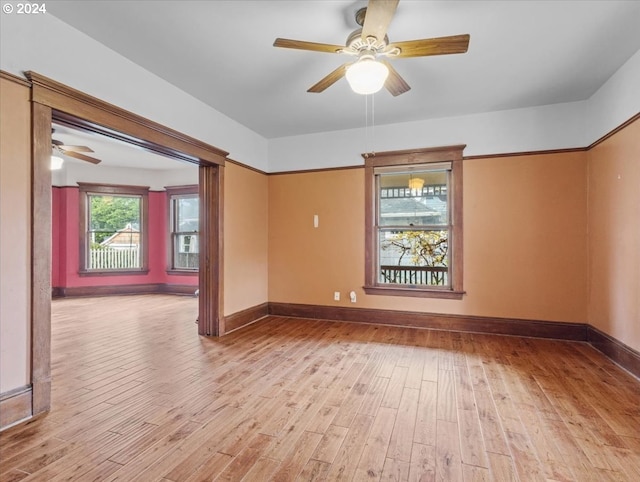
(53, 102)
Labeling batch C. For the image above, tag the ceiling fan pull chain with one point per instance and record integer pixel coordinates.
(373, 124)
(366, 125)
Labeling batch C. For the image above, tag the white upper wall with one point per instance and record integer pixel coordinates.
(156, 179)
(616, 101)
(557, 126)
(46, 45)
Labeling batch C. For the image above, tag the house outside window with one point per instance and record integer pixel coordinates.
(113, 229)
(414, 223)
(183, 226)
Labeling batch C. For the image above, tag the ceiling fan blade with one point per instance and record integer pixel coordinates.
(76, 148)
(395, 83)
(329, 80)
(378, 17)
(56, 142)
(455, 44)
(302, 45)
(82, 157)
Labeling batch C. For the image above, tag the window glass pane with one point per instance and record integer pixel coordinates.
(114, 237)
(413, 199)
(187, 214)
(184, 237)
(185, 254)
(414, 257)
(114, 212)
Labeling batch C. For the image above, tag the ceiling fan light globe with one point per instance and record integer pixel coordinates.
(367, 76)
(56, 163)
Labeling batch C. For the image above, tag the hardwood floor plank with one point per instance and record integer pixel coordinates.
(330, 444)
(471, 473)
(321, 422)
(14, 475)
(393, 394)
(472, 446)
(80, 459)
(501, 467)
(376, 446)
(430, 368)
(213, 466)
(373, 398)
(314, 471)
(425, 430)
(242, 464)
(416, 368)
(46, 452)
(448, 457)
(141, 467)
(395, 470)
(423, 463)
(347, 458)
(527, 464)
(296, 460)
(492, 432)
(153, 435)
(262, 470)
(446, 402)
(138, 395)
(401, 442)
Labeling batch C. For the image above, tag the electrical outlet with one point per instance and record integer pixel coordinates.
(352, 296)
(336, 296)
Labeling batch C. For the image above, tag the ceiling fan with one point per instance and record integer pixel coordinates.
(74, 151)
(370, 45)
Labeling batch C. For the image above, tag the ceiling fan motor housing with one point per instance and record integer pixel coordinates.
(356, 43)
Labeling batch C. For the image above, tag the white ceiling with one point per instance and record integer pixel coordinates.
(111, 152)
(521, 54)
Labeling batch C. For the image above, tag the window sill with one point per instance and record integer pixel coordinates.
(183, 272)
(114, 272)
(414, 292)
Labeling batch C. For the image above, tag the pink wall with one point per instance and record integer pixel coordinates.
(66, 246)
(55, 236)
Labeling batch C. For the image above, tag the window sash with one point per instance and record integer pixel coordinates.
(181, 260)
(416, 273)
(116, 259)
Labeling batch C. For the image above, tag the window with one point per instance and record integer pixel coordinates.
(113, 229)
(183, 226)
(414, 223)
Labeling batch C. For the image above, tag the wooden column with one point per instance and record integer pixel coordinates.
(210, 319)
(41, 258)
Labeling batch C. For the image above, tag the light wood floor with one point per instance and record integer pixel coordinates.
(137, 395)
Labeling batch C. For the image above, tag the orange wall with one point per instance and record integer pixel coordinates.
(525, 239)
(245, 238)
(614, 236)
(15, 250)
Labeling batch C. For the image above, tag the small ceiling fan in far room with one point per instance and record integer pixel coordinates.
(74, 151)
(370, 45)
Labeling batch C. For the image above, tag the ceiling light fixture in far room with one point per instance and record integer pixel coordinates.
(56, 163)
(367, 75)
(416, 184)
